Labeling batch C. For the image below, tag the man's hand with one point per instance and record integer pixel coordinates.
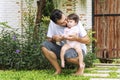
(72, 37)
(57, 38)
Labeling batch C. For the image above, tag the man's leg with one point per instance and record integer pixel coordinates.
(76, 61)
(51, 56)
(72, 57)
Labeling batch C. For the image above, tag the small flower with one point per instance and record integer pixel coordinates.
(17, 51)
(14, 37)
(34, 46)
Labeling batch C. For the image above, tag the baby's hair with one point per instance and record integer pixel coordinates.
(73, 16)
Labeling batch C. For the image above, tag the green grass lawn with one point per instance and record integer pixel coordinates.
(39, 75)
(48, 74)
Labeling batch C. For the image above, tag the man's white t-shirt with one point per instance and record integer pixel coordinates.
(54, 29)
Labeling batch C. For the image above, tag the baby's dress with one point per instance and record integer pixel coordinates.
(71, 31)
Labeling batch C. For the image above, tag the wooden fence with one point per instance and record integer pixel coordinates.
(106, 24)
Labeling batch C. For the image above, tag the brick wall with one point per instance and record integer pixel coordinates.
(83, 10)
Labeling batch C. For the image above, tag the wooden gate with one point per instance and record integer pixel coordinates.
(106, 24)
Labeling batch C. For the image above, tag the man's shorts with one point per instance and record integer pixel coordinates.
(70, 53)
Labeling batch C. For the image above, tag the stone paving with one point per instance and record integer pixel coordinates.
(103, 79)
(105, 72)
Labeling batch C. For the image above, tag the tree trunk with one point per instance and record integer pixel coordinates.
(40, 7)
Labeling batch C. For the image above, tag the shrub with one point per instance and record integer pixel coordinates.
(89, 59)
(22, 51)
(19, 50)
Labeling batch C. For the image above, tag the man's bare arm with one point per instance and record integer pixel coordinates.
(85, 39)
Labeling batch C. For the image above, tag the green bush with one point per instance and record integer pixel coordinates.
(89, 59)
(19, 50)
(8, 47)
(22, 51)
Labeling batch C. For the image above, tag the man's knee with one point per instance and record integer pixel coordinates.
(52, 47)
(48, 45)
(45, 44)
(43, 48)
(48, 53)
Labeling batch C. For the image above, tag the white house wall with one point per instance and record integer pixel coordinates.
(85, 13)
(89, 14)
(10, 11)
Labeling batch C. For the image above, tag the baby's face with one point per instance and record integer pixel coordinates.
(71, 23)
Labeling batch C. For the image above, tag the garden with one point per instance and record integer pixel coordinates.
(21, 49)
(21, 57)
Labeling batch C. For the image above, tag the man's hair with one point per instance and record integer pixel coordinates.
(73, 16)
(56, 15)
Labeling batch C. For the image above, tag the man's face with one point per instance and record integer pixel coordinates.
(62, 21)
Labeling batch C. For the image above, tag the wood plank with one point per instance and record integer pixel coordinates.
(107, 28)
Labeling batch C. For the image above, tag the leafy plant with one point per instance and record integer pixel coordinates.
(90, 57)
(4, 24)
(22, 51)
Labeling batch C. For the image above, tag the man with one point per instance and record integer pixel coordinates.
(52, 51)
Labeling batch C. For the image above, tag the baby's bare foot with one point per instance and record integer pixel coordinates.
(63, 66)
(80, 70)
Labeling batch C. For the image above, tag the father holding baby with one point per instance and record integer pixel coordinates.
(51, 50)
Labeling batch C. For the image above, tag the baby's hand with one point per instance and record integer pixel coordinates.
(64, 37)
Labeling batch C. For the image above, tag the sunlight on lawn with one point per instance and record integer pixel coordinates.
(39, 75)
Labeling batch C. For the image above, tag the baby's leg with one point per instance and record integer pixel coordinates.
(80, 56)
(62, 53)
